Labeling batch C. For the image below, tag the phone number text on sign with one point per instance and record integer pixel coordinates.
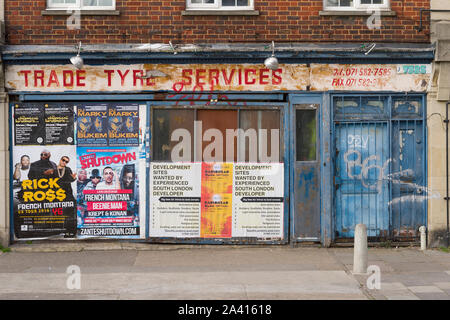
(361, 77)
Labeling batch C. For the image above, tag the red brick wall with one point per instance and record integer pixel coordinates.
(143, 21)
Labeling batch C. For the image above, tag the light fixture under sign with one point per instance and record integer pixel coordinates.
(272, 62)
(77, 61)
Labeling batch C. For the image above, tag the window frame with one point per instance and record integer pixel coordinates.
(217, 5)
(357, 6)
(78, 6)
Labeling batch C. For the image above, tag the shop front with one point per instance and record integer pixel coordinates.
(216, 153)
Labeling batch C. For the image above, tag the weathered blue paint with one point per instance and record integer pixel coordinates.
(57, 56)
(362, 194)
(380, 165)
(305, 176)
(326, 185)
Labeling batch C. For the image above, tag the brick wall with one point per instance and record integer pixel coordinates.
(160, 21)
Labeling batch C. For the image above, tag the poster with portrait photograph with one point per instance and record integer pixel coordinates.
(43, 191)
(123, 125)
(43, 170)
(92, 125)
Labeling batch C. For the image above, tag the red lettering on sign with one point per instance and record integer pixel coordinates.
(38, 75)
(186, 75)
(199, 75)
(263, 77)
(25, 73)
(65, 82)
(110, 73)
(246, 76)
(137, 75)
(81, 77)
(122, 76)
(53, 79)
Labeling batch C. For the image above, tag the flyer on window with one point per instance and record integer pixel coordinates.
(108, 199)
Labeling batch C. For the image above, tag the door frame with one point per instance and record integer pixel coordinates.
(325, 164)
(390, 119)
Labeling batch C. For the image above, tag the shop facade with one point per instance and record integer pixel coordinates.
(215, 148)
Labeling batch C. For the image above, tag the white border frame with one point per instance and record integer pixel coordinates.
(78, 6)
(357, 6)
(217, 5)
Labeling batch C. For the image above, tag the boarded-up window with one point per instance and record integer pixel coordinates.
(168, 126)
(216, 135)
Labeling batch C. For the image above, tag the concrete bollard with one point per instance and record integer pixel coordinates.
(360, 249)
(423, 238)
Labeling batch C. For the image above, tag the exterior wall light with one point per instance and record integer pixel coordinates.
(77, 61)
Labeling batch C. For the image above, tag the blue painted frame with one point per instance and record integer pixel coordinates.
(323, 120)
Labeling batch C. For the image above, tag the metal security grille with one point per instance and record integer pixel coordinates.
(379, 165)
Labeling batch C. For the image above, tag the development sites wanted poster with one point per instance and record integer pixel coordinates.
(108, 200)
(258, 200)
(175, 194)
(217, 200)
(43, 171)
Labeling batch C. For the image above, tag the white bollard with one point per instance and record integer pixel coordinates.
(360, 249)
(423, 238)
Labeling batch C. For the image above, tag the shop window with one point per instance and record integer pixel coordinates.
(165, 122)
(216, 135)
(306, 132)
(82, 4)
(220, 4)
(265, 124)
(355, 4)
(214, 124)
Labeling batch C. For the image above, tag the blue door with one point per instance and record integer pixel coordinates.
(407, 179)
(305, 170)
(379, 168)
(361, 178)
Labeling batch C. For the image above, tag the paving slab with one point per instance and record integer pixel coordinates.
(183, 285)
(425, 289)
(433, 296)
(406, 296)
(443, 285)
(121, 270)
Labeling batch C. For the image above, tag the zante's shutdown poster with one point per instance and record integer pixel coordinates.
(76, 170)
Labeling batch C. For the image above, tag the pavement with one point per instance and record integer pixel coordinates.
(126, 270)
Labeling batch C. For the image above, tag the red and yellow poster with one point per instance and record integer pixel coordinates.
(216, 200)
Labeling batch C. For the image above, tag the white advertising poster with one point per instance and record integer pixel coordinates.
(175, 193)
(258, 194)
